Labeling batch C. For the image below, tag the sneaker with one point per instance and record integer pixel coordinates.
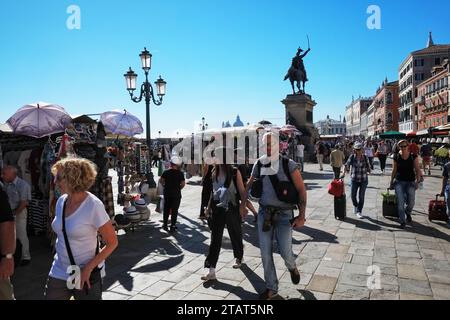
(165, 228)
(268, 295)
(238, 264)
(359, 215)
(402, 225)
(295, 276)
(209, 277)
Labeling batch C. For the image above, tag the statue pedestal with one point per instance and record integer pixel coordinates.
(299, 113)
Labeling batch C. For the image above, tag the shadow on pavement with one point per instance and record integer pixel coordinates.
(318, 176)
(316, 234)
(308, 295)
(415, 227)
(147, 239)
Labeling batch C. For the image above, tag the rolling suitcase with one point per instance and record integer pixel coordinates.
(390, 208)
(340, 207)
(437, 210)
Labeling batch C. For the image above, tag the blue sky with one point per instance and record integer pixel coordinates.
(220, 58)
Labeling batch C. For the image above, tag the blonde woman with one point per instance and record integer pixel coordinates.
(79, 217)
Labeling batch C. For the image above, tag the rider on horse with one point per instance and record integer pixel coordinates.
(297, 72)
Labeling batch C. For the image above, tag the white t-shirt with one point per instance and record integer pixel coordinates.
(81, 228)
(300, 150)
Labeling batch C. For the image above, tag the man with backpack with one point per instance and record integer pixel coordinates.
(7, 246)
(281, 190)
(360, 168)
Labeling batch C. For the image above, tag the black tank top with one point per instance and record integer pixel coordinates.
(405, 168)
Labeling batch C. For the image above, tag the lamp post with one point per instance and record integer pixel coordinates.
(159, 133)
(148, 93)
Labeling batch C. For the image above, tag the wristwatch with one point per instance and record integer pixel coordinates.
(7, 256)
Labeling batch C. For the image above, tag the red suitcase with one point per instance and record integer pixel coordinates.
(437, 210)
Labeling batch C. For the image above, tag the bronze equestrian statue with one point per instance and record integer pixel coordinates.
(297, 72)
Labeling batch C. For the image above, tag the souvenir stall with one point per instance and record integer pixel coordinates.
(131, 160)
(34, 157)
(27, 155)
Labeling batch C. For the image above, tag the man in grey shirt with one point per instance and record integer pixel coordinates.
(19, 194)
(276, 218)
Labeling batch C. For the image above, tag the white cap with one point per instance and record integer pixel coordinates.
(176, 160)
(358, 146)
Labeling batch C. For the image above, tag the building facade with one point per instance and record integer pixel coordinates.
(354, 112)
(415, 69)
(386, 104)
(371, 120)
(433, 98)
(363, 126)
(331, 127)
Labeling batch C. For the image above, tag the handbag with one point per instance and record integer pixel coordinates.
(95, 276)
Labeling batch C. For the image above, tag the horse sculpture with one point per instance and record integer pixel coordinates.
(297, 72)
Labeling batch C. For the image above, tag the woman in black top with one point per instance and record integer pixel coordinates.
(406, 176)
(225, 176)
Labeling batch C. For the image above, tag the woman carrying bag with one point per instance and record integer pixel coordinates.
(78, 265)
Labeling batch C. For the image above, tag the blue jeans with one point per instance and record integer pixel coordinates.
(362, 186)
(301, 162)
(447, 198)
(406, 196)
(282, 231)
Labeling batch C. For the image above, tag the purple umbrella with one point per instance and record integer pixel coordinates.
(121, 122)
(39, 120)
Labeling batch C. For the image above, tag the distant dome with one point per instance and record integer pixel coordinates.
(238, 122)
(227, 124)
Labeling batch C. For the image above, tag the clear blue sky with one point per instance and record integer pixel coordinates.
(220, 58)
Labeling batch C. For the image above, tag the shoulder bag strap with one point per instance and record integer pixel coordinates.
(66, 238)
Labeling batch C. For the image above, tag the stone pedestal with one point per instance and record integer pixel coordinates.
(299, 113)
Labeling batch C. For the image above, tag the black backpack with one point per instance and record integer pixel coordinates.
(285, 190)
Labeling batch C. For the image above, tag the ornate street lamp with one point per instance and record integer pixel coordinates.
(149, 95)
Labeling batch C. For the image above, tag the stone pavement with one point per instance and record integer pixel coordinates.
(333, 256)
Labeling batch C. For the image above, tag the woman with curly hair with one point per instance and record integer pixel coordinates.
(78, 264)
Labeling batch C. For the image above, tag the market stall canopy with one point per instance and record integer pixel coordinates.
(39, 120)
(443, 128)
(290, 129)
(392, 135)
(121, 123)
